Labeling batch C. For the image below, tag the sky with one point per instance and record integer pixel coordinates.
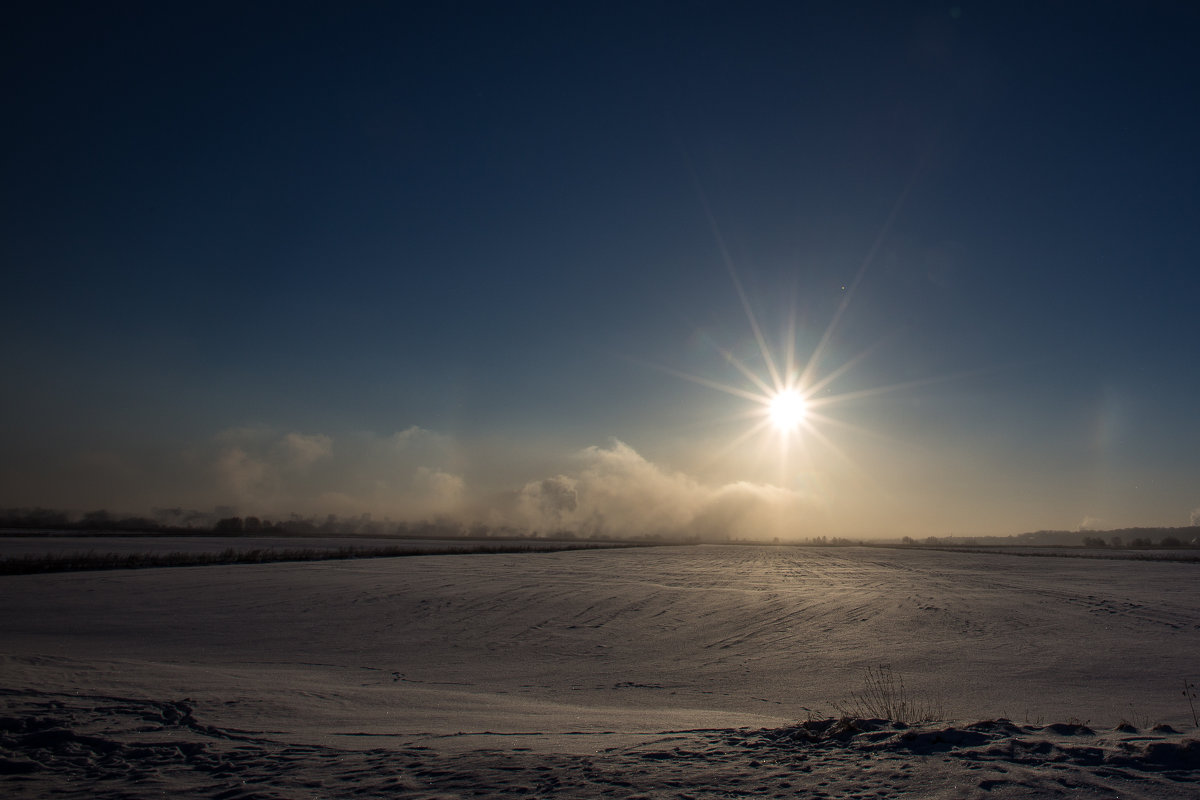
(532, 263)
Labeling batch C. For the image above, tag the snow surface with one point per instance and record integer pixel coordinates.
(663, 672)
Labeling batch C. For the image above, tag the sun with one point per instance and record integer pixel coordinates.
(787, 410)
(789, 397)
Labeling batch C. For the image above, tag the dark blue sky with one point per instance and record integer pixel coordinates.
(225, 225)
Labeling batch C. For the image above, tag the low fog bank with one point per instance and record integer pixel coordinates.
(415, 484)
(415, 481)
(421, 483)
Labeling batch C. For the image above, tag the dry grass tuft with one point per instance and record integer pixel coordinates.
(884, 696)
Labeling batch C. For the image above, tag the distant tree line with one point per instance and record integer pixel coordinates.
(811, 541)
(76, 562)
(832, 541)
(224, 522)
(1132, 538)
(1139, 542)
(44, 519)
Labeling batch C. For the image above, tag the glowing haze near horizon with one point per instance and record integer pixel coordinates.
(549, 264)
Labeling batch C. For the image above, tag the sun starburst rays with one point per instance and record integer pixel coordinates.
(790, 399)
(791, 395)
(782, 403)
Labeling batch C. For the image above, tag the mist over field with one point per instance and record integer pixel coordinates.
(415, 476)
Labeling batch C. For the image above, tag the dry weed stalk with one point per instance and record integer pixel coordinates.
(1189, 691)
(884, 696)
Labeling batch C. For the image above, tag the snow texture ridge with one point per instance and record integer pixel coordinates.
(112, 747)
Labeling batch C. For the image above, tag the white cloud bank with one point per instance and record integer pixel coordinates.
(418, 475)
(615, 491)
(605, 491)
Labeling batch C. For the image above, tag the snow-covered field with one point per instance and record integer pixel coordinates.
(661, 672)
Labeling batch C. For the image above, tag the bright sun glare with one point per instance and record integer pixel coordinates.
(787, 410)
(789, 395)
